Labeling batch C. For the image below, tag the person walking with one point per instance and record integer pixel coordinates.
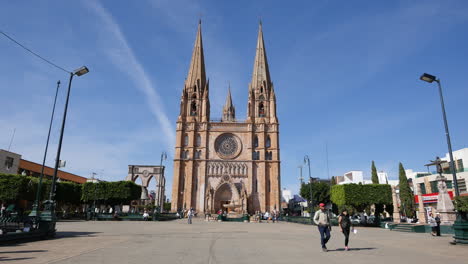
(345, 224)
(190, 215)
(432, 222)
(322, 220)
(437, 219)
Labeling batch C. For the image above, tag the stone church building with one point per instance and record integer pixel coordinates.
(228, 164)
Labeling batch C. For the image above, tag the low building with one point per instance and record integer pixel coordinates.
(350, 177)
(9, 162)
(14, 164)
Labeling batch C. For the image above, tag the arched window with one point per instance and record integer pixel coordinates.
(255, 142)
(197, 154)
(193, 108)
(255, 155)
(261, 89)
(268, 155)
(261, 97)
(268, 142)
(198, 141)
(185, 140)
(261, 110)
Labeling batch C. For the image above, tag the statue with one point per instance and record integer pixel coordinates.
(444, 203)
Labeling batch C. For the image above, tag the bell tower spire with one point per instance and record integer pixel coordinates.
(195, 101)
(229, 111)
(262, 101)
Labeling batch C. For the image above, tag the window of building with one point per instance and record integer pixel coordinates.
(255, 143)
(434, 187)
(268, 142)
(198, 141)
(255, 185)
(185, 154)
(193, 108)
(197, 154)
(462, 185)
(255, 155)
(261, 110)
(460, 167)
(449, 184)
(268, 155)
(185, 140)
(9, 163)
(422, 187)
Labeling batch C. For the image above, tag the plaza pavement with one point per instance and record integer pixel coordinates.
(213, 242)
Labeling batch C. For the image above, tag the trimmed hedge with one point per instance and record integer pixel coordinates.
(361, 196)
(111, 192)
(19, 187)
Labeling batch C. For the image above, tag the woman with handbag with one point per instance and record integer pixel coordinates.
(345, 224)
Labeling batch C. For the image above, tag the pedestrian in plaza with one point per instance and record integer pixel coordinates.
(432, 222)
(345, 224)
(322, 220)
(437, 219)
(190, 215)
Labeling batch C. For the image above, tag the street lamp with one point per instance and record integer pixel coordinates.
(159, 201)
(431, 78)
(34, 213)
(307, 161)
(49, 213)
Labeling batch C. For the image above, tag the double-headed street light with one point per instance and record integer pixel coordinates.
(50, 214)
(431, 78)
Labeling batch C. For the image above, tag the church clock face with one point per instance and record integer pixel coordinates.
(228, 146)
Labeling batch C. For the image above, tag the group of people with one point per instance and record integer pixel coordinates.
(322, 220)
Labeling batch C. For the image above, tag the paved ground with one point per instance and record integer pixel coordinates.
(202, 242)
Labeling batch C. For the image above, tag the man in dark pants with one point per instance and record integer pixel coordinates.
(437, 219)
(322, 220)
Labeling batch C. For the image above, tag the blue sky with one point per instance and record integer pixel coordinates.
(345, 74)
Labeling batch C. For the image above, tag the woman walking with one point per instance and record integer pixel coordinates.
(345, 224)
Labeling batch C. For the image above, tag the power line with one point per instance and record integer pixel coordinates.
(32, 52)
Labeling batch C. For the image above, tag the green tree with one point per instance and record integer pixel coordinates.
(320, 192)
(406, 194)
(360, 196)
(111, 192)
(375, 177)
(333, 180)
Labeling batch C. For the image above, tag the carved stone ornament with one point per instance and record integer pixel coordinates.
(228, 146)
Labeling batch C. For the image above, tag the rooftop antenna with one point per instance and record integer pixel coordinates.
(12, 137)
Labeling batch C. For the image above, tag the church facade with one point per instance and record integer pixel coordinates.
(228, 164)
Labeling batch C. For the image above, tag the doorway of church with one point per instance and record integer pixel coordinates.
(222, 203)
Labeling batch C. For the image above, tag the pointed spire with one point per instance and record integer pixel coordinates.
(197, 64)
(260, 71)
(229, 111)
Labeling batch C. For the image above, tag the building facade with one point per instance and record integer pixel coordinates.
(227, 164)
(14, 164)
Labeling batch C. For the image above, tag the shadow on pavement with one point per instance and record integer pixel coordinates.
(75, 234)
(351, 249)
(12, 259)
(22, 251)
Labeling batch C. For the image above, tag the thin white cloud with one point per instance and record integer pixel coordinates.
(121, 54)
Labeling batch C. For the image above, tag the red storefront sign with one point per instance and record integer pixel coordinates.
(431, 197)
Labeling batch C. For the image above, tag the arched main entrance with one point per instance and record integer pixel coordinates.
(222, 196)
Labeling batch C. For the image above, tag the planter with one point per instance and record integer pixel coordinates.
(460, 228)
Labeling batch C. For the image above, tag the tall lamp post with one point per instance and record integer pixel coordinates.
(161, 184)
(49, 214)
(431, 78)
(35, 212)
(307, 161)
